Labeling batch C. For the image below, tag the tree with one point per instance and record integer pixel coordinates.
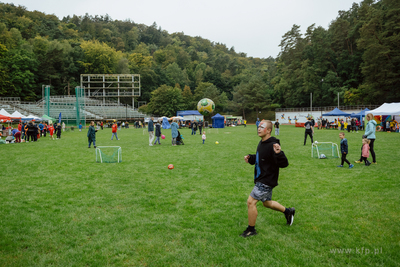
(256, 94)
(99, 58)
(166, 101)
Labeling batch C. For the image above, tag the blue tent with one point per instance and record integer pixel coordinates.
(361, 113)
(188, 112)
(336, 112)
(218, 121)
(165, 123)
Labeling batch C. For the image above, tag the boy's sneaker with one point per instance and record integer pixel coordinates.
(358, 161)
(351, 166)
(248, 233)
(290, 216)
(340, 166)
(374, 162)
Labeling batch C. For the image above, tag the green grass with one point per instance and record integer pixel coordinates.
(59, 207)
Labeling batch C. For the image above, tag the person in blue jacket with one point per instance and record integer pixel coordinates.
(174, 131)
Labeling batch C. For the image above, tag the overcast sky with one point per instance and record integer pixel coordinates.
(254, 27)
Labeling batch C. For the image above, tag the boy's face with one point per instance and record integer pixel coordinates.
(341, 136)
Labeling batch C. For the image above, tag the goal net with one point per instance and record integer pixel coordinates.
(324, 150)
(108, 154)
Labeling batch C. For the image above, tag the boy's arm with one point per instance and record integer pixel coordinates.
(280, 157)
(251, 158)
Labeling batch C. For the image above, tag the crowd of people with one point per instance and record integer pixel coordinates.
(31, 131)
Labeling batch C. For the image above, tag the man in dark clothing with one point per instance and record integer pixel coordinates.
(30, 131)
(194, 128)
(58, 130)
(267, 161)
(37, 131)
(309, 130)
(200, 127)
(276, 125)
(150, 129)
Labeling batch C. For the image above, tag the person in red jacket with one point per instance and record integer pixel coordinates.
(51, 131)
(114, 131)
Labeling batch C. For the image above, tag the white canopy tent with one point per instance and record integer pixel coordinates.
(4, 113)
(386, 109)
(17, 114)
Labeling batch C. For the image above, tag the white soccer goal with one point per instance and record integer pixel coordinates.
(108, 154)
(329, 149)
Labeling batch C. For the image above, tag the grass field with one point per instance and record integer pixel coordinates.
(58, 207)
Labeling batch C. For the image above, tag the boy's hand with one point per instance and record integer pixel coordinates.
(246, 158)
(277, 148)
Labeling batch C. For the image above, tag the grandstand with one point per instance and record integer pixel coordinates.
(94, 109)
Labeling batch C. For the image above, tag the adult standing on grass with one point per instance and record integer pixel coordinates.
(200, 126)
(370, 135)
(276, 125)
(194, 127)
(91, 134)
(114, 129)
(257, 123)
(309, 130)
(58, 131)
(268, 159)
(150, 129)
(174, 131)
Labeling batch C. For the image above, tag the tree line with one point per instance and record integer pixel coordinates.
(357, 57)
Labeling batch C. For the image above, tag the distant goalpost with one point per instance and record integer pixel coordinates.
(329, 149)
(108, 154)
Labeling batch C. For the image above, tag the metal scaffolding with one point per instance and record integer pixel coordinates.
(111, 86)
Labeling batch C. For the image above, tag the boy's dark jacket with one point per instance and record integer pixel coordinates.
(268, 162)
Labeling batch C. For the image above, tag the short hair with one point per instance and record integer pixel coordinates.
(370, 116)
(268, 122)
(342, 133)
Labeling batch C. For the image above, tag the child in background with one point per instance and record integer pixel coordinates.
(51, 131)
(80, 126)
(158, 132)
(203, 137)
(344, 148)
(365, 151)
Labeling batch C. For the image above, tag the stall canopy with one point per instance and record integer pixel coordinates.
(4, 118)
(31, 117)
(362, 113)
(47, 118)
(218, 121)
(386, 109)
(190, 114)
(4, 112)
(336, 112)
(16, 114)
(187, 112)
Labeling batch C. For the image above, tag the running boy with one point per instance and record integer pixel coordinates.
(344, 148)
(268, 159)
